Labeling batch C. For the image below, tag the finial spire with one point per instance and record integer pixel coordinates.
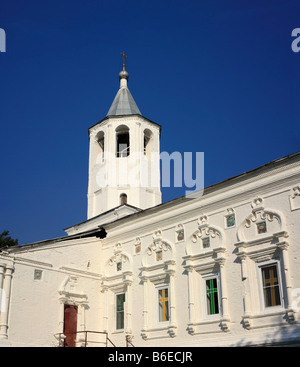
(124, 57)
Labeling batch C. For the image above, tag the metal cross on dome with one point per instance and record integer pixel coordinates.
(124, 59)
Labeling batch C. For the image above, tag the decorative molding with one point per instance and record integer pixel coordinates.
(118, 264)
(150, 260)
(179, 233)
(246, 232)
(70, 291)
(260, 248)
(137, 246)
(118, 248)
(295, 198)
(80, 272)
(230, 213)
(215, 235)
(116, 258)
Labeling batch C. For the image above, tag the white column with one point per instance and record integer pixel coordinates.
(129, 308)
(247, 305)
(191, 272)
(172, 299)
(146, 301)
(62, 315)
(2, 271)
(287, 276)
(82, 307)
(224, 297)
(105, 311)
(6, 294)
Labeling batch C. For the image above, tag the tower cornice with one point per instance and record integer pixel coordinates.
(107, 118)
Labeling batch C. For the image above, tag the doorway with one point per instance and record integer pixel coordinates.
(70, 325)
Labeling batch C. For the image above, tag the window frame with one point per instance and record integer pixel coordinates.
(121, 132)
(157, 289)
(123, 311)
(260, 266)
(206, 277)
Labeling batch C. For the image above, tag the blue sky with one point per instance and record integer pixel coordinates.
(220, 77)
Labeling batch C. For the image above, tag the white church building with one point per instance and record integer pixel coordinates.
(220, 269)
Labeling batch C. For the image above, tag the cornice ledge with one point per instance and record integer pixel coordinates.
(258, 241)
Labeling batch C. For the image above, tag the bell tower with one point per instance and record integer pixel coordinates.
(124, 162)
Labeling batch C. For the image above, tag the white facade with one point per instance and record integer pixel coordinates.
(219, 270)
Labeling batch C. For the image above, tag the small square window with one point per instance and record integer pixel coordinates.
(37, 274)
(159, 255)
(205, 242)
(138, 248)
(230, 220)
(261, 227)
(119, 266)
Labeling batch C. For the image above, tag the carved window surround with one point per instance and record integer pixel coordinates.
(153, 276)
(110, 287)
(210, 262)
(117, 280)
(155, 273)
(270, 247)
(201, 261)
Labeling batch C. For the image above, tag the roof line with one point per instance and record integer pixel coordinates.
(118, 116)
(211, 187)
(90, 233)
(101, 214)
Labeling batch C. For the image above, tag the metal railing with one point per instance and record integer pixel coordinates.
(124, 152)
(83, 342)
(128, 341)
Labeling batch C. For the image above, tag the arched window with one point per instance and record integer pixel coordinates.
(147, 141)
(100, 146)
(123, 199)
(122, 146)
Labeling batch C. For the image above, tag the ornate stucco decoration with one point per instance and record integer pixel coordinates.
(206, 254)
(295, 198)
(262, 237)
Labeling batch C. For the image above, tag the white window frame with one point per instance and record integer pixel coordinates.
(205, 310)
(259, 267)
(157, 289)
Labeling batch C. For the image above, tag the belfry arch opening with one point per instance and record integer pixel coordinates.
(122, 141)
(148, 142)
(99, 141)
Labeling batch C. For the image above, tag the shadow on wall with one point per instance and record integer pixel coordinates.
(288, 336)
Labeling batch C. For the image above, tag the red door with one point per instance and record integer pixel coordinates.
(70, 325)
